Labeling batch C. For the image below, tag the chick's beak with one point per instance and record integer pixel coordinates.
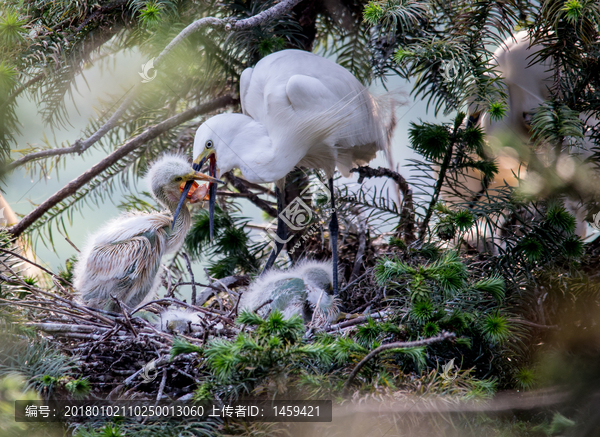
(187, 192)
(204, 177)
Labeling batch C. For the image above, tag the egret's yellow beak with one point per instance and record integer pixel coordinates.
(185, 188)
(202, 157)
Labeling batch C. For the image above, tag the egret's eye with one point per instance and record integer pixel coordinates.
(209, 144)
(178, 179)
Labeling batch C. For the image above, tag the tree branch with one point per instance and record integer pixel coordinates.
(149, 134)
(399, 344)
(240, 185)
(229, 24)
(407, 213)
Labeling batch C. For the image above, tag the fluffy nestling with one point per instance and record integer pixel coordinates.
(123, 257)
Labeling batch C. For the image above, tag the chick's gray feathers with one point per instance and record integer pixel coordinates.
(123, 257)
(304, 290)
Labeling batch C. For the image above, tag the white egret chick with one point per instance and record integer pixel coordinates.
(299, 109)
(123, 257)
(305, 290)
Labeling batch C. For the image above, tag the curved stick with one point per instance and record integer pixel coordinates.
(399, 344)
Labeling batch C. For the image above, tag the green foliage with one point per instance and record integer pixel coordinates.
(181, 346)
(422, 310)
(78, 388)
(373, 12)
(67, 272)
(494, 285)
(553, 122)
(496, 328)
(273, 345)
(573, 10)
(396, 15)
(525, 378)
(12, 27)
(558, 217)
(231, 250)
(498, 111)
(429, 140)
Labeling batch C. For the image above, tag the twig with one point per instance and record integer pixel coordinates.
(240, 185)
(362, 244)
(125, 315)
(187, 305)
(163, 382)
(230, 24)
(445, 165)
(149, 134)
(34, 264)
(355, 321)
(189, 267)
(51, 295)
(72, 244)
(399, 344)
(407, 213)
(533, 324)
(64, 327)
(268, 301)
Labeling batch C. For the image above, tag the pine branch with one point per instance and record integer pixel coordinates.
(442, 175)
(230, 24)
(407, 214)
(396, 345)
(149, 134)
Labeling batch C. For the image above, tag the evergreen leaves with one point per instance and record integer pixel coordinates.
(231, 249)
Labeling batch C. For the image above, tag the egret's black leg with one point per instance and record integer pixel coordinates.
(333, 232)
(281, 231)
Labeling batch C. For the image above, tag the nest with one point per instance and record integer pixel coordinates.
(122, 356)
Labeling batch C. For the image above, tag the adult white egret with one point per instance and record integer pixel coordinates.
(527, 86)
(123, 257)
(299, 109)
(305, 290)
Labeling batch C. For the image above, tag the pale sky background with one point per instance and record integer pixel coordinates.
(21, 191)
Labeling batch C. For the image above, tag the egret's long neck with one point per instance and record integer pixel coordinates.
(252, 151)
(182, 224)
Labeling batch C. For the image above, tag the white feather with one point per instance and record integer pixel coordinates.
(299, 109)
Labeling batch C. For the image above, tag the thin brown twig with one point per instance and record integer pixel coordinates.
(398, 344)
(34, 264)
(407, 213)
(193, 282)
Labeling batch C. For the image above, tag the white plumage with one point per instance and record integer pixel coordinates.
(123, 257)
(304, 290)
(299, 109)
(527, 87)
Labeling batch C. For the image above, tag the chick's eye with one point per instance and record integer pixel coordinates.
(178, 179)
(209, 144)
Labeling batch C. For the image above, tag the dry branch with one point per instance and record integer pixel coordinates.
(149, 134)
(240, 185)
(398, 344)
(407, 213)
(229, 24)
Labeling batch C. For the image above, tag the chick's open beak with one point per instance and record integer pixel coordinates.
(187, 192)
